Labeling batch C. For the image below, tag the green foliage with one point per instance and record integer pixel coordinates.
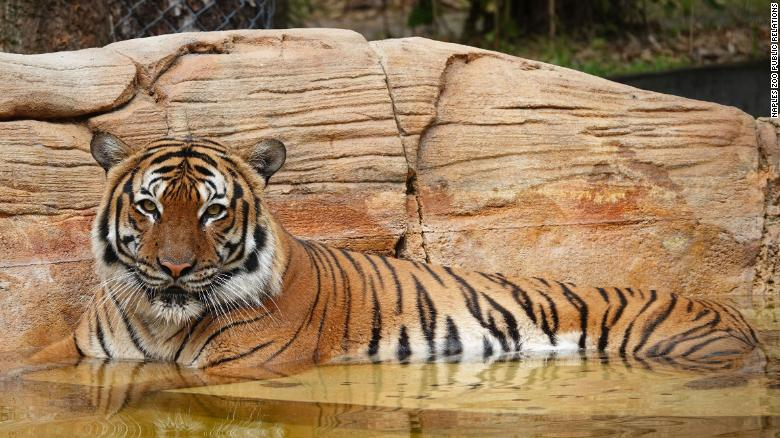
(602, 37)
(297, 11)
(421, 13)
(602, 61)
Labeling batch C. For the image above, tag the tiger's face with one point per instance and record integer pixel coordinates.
(182, 229)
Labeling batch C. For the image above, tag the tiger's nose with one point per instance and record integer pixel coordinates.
(175, 268)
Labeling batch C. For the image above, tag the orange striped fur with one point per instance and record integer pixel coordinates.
(234, 290)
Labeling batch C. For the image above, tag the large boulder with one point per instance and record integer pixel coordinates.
(411, 147)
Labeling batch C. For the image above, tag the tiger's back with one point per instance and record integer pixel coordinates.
(422, 312)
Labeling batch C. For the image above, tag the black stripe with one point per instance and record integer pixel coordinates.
(251, 264)
(702, 313)
(224, 230)
(469, 295)
(404, 351)
(203, 170)
(347, 302)
(607, 326)
(376, 326)
(119, 247)
(626, 336)
(653, 297)
(630, 328)
(487, 348)
(316, 266)
(519, 295)
(244, 232)
(701, 345)
(650, 328)
(76, 343)
(109, 255)
(318, 260)
(546, 327)
(259, 236)
(683, 337)
(186, 339)
(108, 320)
(553, 315)
(509, 320)
(525, 303)
(327, 252)
(125, 181)
(398, 288)
(496, 333)
(375, 268)
(623, 304)
(163, 169)
(376, 311)
(582, 308)
(185, 152)
(739, 319)
(542, 280)
(604, 337)
(364, 286)
(239, 355)
(427, 313)
(221, 330)
(431, 273)
(238, 191)
(452, 346)
(101, 339)
(130, 330)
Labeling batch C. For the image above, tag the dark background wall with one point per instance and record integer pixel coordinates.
(745, 86)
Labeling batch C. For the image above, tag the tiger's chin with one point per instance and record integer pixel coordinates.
(175, 306)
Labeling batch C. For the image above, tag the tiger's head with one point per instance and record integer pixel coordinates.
(182, 229)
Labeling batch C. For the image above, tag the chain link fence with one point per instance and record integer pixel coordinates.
(143, 18)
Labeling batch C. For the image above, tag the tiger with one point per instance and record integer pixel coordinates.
(196, 271)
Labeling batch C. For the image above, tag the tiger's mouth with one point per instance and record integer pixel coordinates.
(175, 304)
(175, 295)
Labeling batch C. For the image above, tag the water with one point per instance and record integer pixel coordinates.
(567, 397)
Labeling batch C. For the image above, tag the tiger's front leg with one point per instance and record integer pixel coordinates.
(254, 343)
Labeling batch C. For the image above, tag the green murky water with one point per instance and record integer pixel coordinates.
(568, 397)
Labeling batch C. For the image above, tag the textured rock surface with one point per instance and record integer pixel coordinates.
(526, 168)
(412, 147)
(767, 279)
(64, 84)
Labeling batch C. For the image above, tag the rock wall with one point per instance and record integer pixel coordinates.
(427, 150)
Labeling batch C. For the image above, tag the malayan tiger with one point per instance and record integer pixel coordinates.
(196, 271)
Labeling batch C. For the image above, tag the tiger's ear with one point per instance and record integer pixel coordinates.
(266, 157)
(108, 150)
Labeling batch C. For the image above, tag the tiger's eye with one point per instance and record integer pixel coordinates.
(148, 206)
(214, 210)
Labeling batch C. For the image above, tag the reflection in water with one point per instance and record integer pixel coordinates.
(571, 396)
